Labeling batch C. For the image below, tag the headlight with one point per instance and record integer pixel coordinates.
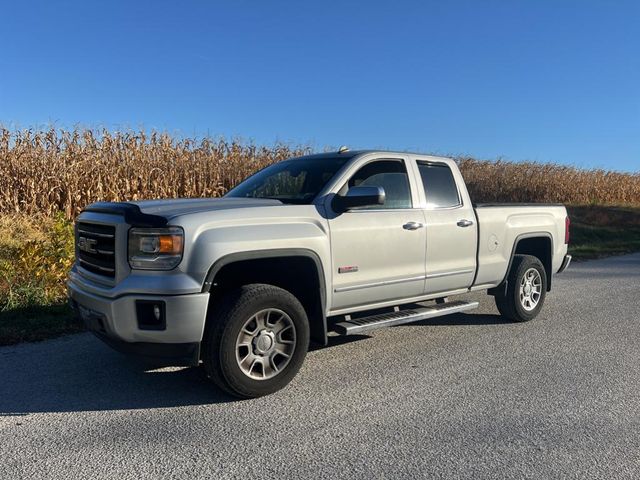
(155, 248)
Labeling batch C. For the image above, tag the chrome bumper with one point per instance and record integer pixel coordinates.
(565, 263)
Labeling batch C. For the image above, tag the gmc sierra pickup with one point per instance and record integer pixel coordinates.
(337, 243)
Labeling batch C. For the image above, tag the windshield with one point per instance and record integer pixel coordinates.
(291, 181)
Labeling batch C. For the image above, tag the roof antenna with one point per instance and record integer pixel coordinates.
(343, 149)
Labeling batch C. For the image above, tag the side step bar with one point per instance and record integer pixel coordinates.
(365, 324)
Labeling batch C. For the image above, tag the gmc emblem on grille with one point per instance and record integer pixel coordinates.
(87, 244)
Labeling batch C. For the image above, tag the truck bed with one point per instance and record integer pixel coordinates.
(501, 225)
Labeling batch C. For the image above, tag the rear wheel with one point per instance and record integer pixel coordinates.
(256, 340)
(526, 289)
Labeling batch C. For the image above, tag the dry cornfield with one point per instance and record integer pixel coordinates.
(501, 181)
(48, 171)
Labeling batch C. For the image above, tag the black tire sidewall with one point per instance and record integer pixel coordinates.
(526, 262)
(248, 303)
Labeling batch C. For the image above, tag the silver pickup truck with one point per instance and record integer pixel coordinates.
(332, 244)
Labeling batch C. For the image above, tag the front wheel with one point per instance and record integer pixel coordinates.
(526, 289)
(256, 340)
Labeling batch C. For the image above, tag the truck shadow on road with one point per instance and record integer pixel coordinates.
(460, 319)
(77, 373)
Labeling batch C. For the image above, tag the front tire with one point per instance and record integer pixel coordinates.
(255, 341)
(526, 289)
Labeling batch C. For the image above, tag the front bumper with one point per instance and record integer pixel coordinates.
(114, 320)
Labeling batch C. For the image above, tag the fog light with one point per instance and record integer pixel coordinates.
(151, 315)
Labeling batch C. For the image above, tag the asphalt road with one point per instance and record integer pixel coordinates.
(466, 396)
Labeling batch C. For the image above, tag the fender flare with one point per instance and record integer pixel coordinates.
(523, 236)
(275, 253)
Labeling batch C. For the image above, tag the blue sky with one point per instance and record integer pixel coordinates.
(537, 80)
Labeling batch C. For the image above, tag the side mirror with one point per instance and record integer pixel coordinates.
(363, 196)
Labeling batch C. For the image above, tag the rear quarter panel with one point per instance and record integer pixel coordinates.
(501, 226)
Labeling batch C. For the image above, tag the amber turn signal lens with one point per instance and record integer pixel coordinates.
(170, 244)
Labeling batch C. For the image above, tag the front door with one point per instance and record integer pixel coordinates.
(378, 253)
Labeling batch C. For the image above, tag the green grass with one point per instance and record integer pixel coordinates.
(35, 256)
(598, 231)
(37, 323)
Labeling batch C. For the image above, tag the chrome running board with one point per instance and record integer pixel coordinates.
(365, 324)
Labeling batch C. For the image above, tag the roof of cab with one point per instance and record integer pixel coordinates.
(355, 153)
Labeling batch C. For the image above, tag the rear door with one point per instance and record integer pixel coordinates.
(378, 253)
(451, 228)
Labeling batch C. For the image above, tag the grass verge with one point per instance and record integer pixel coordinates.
(37, 323)
(598, 231)
(36, 253)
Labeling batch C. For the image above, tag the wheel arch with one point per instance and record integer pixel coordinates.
(537, 244)
(272, 266)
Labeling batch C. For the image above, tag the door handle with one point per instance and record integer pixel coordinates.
(412, 225)
(464, 223)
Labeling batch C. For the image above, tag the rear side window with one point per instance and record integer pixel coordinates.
(439, 185)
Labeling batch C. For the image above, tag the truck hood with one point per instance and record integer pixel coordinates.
(157, 213)
(169, 208)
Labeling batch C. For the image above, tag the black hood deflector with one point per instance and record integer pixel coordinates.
(131, 213)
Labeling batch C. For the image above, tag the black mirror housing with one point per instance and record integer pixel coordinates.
(362, 196)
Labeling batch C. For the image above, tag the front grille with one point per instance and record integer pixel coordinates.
(96, 248)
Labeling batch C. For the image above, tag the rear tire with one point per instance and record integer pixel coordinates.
(255, 341)
(526, 289)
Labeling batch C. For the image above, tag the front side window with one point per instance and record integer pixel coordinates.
(439, 185)
(296, 181)
(391, 175)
